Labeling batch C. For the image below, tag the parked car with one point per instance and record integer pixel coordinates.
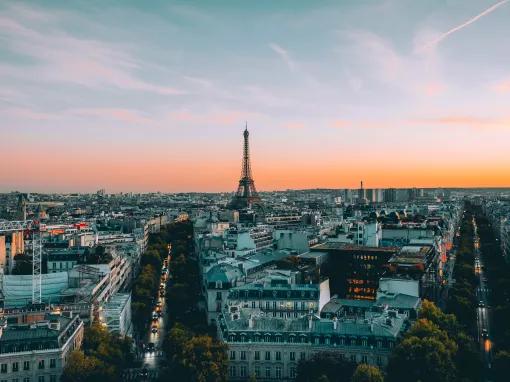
(144, 374)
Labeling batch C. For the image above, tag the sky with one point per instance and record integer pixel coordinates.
(153, 95)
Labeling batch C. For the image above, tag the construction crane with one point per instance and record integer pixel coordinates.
(36, 229)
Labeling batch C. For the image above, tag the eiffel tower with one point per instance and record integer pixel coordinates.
(246, 195)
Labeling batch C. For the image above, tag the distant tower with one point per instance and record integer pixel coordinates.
(361, 192)
(246, 194)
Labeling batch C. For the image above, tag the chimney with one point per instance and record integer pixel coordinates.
(335, 323)
(55, 325)
(310, 321)
(251, 322)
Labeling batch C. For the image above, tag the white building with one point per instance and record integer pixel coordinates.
(38, 351)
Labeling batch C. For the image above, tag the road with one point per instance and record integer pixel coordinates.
(153, 358)
(483, 310)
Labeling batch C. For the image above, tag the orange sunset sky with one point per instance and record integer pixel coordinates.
(154, 97)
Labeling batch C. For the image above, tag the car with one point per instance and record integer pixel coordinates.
(160, 313)
(162, 293)
(150, 347)
(143, 374)
(154, 329)
(481, 304)
(154, 315)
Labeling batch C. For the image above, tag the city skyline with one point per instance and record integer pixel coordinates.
(155, 98)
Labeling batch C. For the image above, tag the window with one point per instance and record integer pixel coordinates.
(41, 378)
(26, 365)
(3, 368)
(302, 356)
(278, 372)
(232, 355)
(15, 367)
(253, 304)
(53, 363)
(41, 365)
(268, 356)
(278, 355)
(53, 378)
(292, 356)
(353, 358)
(364, 359)
(26, 379)
(257, 355)
(243, 371)
(243, 355)
(293, 372)
(268, 372)
(257, 371)
(232, 371)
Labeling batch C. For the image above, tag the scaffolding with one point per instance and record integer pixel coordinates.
(36, 268)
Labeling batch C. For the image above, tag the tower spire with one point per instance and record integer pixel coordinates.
(246, 194)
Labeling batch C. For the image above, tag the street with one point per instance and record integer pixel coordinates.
(151, 353)
(483, 310)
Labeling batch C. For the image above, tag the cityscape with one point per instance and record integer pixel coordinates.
(255, 191)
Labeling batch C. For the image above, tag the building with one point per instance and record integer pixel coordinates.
(11, 244)
(270, 348)
(278, 296)
(218, 280)
(63, 259)
(419, 263)
(354, 271)
(116, 314)
(38, 351)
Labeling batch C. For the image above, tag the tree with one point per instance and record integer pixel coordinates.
(175, 341)
(103, 356)
(424, 328)
(83, 368)
(367, 373)
(206, 359)
(421, 360)
(501, 366)
(327, 366)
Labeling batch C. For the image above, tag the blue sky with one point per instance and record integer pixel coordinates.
(153, 95)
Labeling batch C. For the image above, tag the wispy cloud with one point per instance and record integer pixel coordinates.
(465, 121)
(117, 114)
(284, 55)
(294, 125)
(60, 57)
(444, 35)
(502, 86)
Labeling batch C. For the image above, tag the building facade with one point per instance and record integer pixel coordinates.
(38, 352)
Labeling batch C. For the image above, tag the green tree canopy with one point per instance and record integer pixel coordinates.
(367, 373)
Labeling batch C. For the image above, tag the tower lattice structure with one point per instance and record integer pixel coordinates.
(246, 195)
